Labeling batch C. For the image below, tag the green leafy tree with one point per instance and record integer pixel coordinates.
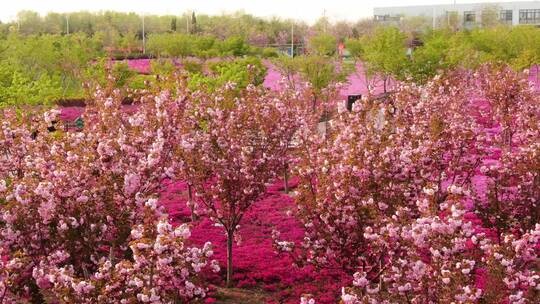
(385, 53)
(490, 16)
(194, 28)
(173, 24)
(355, 48)
(173, 44)
(234, 46)
(241, 72)
(29, 22)
(18, 89)
(162, 67)
(356, 51)
(431, 57)
(323, 45)
(321, 72)
(288, 67)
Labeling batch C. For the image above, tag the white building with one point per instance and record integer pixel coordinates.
(469, 14)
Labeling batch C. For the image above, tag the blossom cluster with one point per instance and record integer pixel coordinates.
(421, 195)
(79, 194)
(163, 269)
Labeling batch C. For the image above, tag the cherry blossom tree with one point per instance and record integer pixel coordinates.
(233, 145)
(163, 269)
(76, 197)
(512, 173)
(445, 258)
(377, 159)
(390, 194)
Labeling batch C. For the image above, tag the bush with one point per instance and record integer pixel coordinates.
(233, 46)
(192, 66)
(98, 73)
(323, 45)
(162, 66)
(269, 53)
(139, 81)
(17, 88)
(242, 72)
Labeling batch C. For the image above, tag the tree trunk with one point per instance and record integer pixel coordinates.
(384, 84)
(194, 217)
(367, 80)
(286, 179)
(230, 235)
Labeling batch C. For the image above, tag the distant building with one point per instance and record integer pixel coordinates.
(466, 15)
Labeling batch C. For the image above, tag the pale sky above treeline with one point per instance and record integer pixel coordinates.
(305, 10)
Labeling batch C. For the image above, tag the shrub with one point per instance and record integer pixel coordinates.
(269, 53)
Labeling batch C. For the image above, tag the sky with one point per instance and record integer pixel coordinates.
(305, 10)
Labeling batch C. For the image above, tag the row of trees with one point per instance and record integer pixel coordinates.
(429, 196)
(389, 194)
(37, 69)
(81, 222)
(181, 45)
(255, 30)
(388, 52)
(45, 68)
(258, 31)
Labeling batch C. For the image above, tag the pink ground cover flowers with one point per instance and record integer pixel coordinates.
(257, 264)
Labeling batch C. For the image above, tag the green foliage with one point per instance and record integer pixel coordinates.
(242, 72)
(257, 70)
(170, 44)
(518, 46)
(431, 57)
(205, 46)
(200, 81)
(97, 73)
(122, 74)
(138, 82)
(18, 89)
(192, 66)
(234, 46)
(162, 66)
(45, 67)
(269, 53)
(384, 52)
(321, 71)
(114, 27)
(183, 45)
(525, 44)
(129, 42)
(323, 45)
(288, 66)
(355, 48)
(50, 53)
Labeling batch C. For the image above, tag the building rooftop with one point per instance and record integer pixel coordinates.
(476, 4)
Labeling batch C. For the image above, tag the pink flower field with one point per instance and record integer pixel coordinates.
(140, 65)
(258, 265)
